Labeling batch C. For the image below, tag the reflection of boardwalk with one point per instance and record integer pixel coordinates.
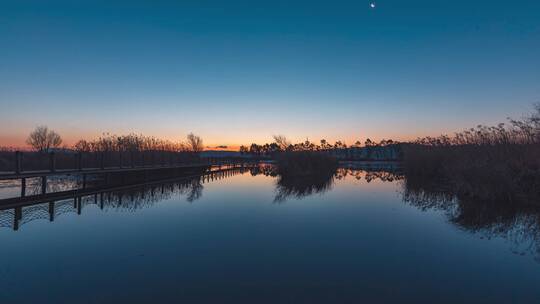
(132, 197)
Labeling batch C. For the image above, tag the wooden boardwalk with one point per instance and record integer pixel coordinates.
(17, 211)
(80, 192)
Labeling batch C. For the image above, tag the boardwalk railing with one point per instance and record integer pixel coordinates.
(29, 164)
(19, 162)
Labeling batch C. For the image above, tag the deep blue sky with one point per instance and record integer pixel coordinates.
(240, 71)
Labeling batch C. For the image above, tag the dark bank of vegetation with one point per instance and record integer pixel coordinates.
(369, 150)
(499, 163)
(108, 151)
(304, 163)
(304, 173)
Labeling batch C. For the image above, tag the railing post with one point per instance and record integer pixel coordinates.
(51, 211)
(132, 160)
(52, 162)
(23, 187)
(17, 217)
(44, 184)
(120, 159)
(102, 165)
(18, 162)
(79, 161)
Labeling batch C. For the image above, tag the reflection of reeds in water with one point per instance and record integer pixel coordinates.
(298, 187)
(516, 223)
(369, 176)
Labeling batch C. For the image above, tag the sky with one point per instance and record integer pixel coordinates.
(237, 72)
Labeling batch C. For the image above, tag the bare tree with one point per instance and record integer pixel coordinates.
(42, 139)
(282, 142)
(194, 143)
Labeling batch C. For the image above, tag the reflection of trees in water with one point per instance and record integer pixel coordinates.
(264, 169)
(517, 223)
(148, 195)
(302, 186)
(369, 176)
(193, 191)
(54, 184)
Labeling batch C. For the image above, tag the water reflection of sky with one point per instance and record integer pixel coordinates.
(234, 243)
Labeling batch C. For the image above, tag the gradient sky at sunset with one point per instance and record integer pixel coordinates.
(237, 72)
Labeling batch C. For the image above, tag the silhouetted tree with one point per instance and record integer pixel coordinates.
(282, 142)
(42, 139)
(194, 143)
(244, 150)
(255, 149)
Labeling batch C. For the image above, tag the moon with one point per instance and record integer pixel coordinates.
(372, 5)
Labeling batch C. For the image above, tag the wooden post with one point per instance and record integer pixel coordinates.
(79, 205)
(44, 184)
(102, 165)
(84, 181)
(132, 160)
(79, 161)
(17, 217)
(52, 162)
(51, 211)
(18, 162)
(120, 159)
(23, 187)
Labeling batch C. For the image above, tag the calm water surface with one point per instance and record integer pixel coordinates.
(241, 239)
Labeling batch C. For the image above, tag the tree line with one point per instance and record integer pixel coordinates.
(282, 144)
(43, 139)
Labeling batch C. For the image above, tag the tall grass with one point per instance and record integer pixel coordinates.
(488, 163)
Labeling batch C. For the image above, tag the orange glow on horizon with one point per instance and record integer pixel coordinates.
(15, 138)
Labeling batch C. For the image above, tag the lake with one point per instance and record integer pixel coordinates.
(250, 238)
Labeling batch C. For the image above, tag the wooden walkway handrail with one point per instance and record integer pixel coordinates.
(40, 173)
